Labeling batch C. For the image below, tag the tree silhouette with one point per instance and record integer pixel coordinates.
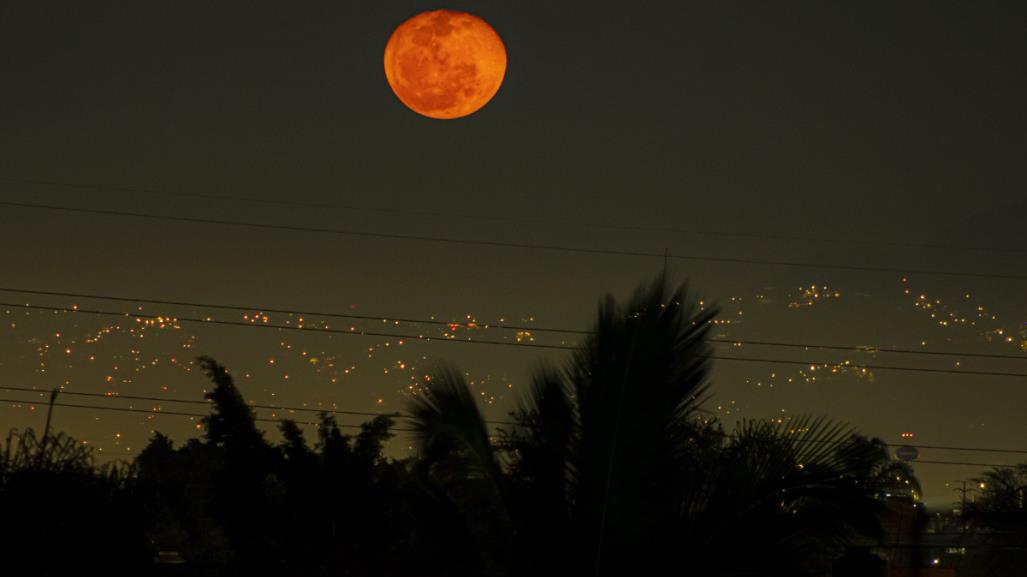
(60, 514)
(999, 517)
(231, 424)
(176, 489)
(780, 499)
(611, 470)
(1002, 504)
(457, 457)
(231, 503)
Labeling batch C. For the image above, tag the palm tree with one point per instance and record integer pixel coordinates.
(459, 461)
(780, 498)
(612, 471)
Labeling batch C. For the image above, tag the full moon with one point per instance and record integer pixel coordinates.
(445, 64)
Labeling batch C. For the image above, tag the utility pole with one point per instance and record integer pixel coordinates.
(46, 429)
(962, 506)
(962, 509)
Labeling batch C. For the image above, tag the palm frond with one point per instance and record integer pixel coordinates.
(637, 381)
(790, 490)
(539, 444)
(448, 421)
(457, 456)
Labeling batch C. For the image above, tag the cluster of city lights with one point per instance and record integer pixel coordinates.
(155, 355)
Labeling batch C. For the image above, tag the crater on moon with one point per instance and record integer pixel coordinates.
(445, 64)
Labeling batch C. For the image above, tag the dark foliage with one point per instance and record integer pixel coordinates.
(58, 512)
(234, 504)
(1002, 504)
(611, 469)
(998, 519)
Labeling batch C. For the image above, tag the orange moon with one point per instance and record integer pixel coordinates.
(445, 64)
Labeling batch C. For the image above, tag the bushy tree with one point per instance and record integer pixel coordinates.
(1002, 503)
(60, 514)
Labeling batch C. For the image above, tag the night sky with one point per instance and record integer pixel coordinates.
(866, 134)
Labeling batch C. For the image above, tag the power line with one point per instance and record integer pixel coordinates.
(212, 321)
(867, 349)
(206, 403)
(915, 446)
(503, 244)
(201, 415)
(398, 415)
(286, 311)
(178, 413)
(962, 464)
(961, 545)
(853, 348)
(312, 423)
(401, 416)
(811, 364)
(496, 218)
(973, 449)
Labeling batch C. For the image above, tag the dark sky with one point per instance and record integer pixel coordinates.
(860, 121)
